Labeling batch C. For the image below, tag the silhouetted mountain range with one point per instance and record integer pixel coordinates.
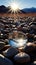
(30, 10)
(4, 9)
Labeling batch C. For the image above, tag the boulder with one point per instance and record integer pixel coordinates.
(10, 52)
(21, 58)
(5, 61)
(29, 47)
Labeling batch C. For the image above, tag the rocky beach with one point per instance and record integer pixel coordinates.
(10, 55)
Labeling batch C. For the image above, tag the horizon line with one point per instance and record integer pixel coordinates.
(19, 8)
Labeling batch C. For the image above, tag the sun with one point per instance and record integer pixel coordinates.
(14, 6)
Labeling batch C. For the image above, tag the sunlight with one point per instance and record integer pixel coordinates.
(21, 42)
(14, 6)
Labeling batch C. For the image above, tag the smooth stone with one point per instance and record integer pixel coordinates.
(5, 61)
(29, 47)
(34, 63)
(6, 47)
(2, 44)
(6, 41)
(10, 52)
(30, 37)
(22, 58)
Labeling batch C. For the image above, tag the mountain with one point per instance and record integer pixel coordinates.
(29, 10)
(4, 9)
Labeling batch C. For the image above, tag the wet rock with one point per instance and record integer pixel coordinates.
(30, 37)
(2, 44)
(29, 47)
(10, 52)
(5, 61)
(21, 58)
(34, 42)
(6, 47)
(6, 41)
(34, 63)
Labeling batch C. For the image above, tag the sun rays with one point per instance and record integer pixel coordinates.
(14, 7)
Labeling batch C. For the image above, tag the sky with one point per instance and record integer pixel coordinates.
(22, 3)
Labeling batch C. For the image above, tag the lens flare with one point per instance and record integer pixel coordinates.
(14, 6)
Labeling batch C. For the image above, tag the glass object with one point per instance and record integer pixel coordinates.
(18, 40)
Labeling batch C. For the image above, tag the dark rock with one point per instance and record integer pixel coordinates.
(2, 44)
(6, 47)
(34, 63)
(29, 47)
(5, 61)
(21, 58)
(30, 37)
(34, 37)
(6, 40)
(10, 52)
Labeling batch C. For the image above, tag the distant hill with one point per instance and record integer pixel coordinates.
(29, 10)
(4, 9)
